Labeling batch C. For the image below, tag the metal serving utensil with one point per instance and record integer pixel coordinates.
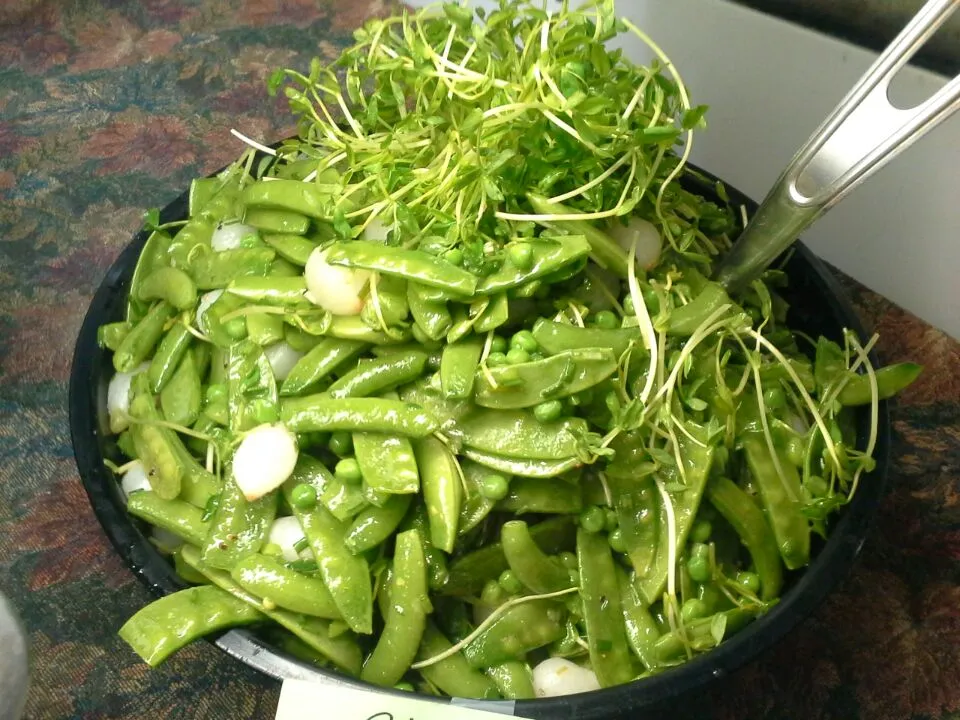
(862, 134)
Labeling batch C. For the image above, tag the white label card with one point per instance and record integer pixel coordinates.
(304, 700)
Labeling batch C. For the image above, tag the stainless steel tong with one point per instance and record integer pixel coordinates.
(862, 134)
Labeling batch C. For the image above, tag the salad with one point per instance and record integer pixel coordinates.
(440, 394)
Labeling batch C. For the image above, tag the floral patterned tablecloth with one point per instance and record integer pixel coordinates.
(108, 106)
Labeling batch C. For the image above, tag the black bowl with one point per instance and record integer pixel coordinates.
(818, 307)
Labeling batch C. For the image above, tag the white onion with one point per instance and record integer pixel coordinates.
(165, 540)
(334, 288)
(646, 236)
(135, 478)
(230, 237)
(558, 676)
(286, 533)
(264, 459)
(282, 358)
(376, 231)
(118, 398)
(206, 300)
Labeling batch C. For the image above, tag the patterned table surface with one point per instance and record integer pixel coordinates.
(109, 106)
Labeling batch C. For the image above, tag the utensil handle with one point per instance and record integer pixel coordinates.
(862, 134)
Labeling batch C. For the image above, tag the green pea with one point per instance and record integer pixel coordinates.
(272, 549)
(693, 609)
(525, 341)
(492, 593)
(303, 496)
(496, 359)
(610, 520)
(405, 686)
(749, 580)
(454, 256)
(699, 549)
(606, 319)
(796, 450)
(628, 307)
(702, 529)
(216, 393)
(509, 582)
(617, 544)
(817, 486)
(341, 443)
(521, 255)
(593, 519)
(517, 356)
(494, 487)
(498, 344)
(574, 574)
(348, 471)
(569, 560)
(774, 398)
(548, 411)
(699, 568)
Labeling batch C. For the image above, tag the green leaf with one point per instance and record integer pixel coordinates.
(151, 219)
(694, 118)
(274, 81)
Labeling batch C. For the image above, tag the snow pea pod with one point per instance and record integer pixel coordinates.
(496, 314)
(346, 576)
(536, 495)
(319, 412)
(432, 316)
(890, 380)
(603, 248)
(602, 612)
(287, 291)
(514, 680)
(269, 579)
(279, 222)
(141, 340)
(379, 374)
(294, 248)
(442, 491)
(470, 572)
(557, 376)
(516, 632)
(181, 398)
(697, 461)
(539, 572)
(191, 239)
(781, 498)
(549, 255)
(251, 387)
(754, 532)
(413, 265)
(169, 353)
(387, 462)
(176, 516)
(341, 650)
(174, 621)
(453, 675)
(210, 321)
(319, 362)
(522, 467)
(171, 285)
(290, 195)
(153, 256)
(406, 616)
(214, 270)
(374, 525)
(518, 434)
(458, 368)
(239, 527)
(476, 506)
(554, 337)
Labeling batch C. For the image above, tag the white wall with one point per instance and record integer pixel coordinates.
(769, 84)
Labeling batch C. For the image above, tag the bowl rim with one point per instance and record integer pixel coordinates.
(828, 568)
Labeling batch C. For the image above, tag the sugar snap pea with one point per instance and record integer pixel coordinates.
(413, 265)
(453, 675)
(536, 570)
(341, 650)
(153, 444)
(346, 576)
(141, 340)
(496, 314)
(280, 222)
(378, 374)
(442, 491)
(537, 495)
(213, 270)
(671, 647)
(291, 195)
(555, 337)
(476, 505)
(320, 360)
(294, 248)
(239, 527)
(519, 630)
(265, 329)
(154, 255)
(112, 334)
(531, 383)
(170, 285)
(353, 328)
(548, 256)
(251, 387)
(180, 399)
(169, 353)
(269, 579)
(387, 462)
(890, 381)
(458, 367)
(432, 316)
(287, 291)
(176, 620)
(641, 628)
(518, 434)
(374, 525)
(514, 680)
(315, 412)
(406, 615)
(603, 248)
(522, 467)
(176, 516)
